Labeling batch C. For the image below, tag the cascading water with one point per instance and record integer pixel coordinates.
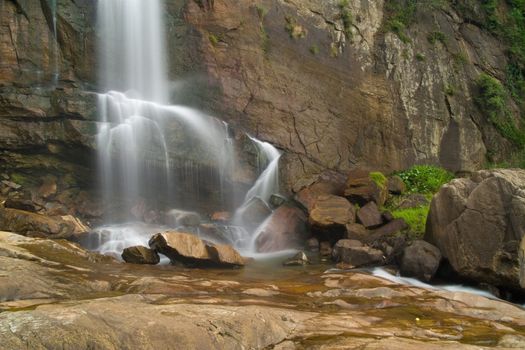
(148, 148)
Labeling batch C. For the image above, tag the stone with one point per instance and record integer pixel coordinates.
(478, 222)
(328, 182)
(21, 204)
(253, 213)
(356, 231)
(325, 249)
(389, 229)
(286, 228)
(312, 244)
(329, 216)
(182, 218)
(140, 255)
(354, 253)
(221, 216)
(190, 250)
(413, 200)
(49, 187)
(36, 225)
(421, 260)
(369, 215)
(299, 259)
(396, 185)
(276, 200)
(361, 188)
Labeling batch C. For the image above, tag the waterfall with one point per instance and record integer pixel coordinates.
(150, 148)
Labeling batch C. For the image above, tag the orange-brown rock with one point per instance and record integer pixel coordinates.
(369, 215)
(361, 189)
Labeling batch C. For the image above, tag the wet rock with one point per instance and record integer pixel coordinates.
(286, 228)
(312, 244)
(325, 249)
(140, 255)
(329, 216)
(413, 201)
(21, 204)
(477, 224)
(356, 231)
(276, 200)
(369, 215)
(37, 225)
(178, 218)
(190, 250)
(354, 253)
(396, 185)
(421, 260)
(299, 259)
(361, 188)
(221, 216)
(253, 213)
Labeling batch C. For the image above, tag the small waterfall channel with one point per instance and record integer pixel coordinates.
(150, 148)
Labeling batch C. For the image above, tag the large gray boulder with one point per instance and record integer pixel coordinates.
(421, 259)
(478, 223)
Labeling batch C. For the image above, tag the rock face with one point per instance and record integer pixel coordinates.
(188, 249)
(421, 259)
(140, 255)
(285, 229)
(356, 254)
(478, 223)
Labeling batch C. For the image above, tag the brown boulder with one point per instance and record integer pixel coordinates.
(369, 215)
(286, 228)
(421, 259)
(36, 225)
(361, 188)
(140, 255)
(21, 204)
(356, 231)
(477, 225)
(389, 229)
(356, 254)
(190, 250)
(396, 185)
(329, 216)
(329, 182)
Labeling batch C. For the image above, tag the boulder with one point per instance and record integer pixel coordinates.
(286, 228)
(354, 253)
(329, 182)
(178, 218)
(362, 187)
(140, 255)
(299, 259)
(477, 223)
(190, 250)
(369, 215)
(421, 260)
(21, 204)
(329, 216)
(389, 229)
(396, 185)
(36, 225)
(356, 231)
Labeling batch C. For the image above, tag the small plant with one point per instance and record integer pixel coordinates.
(261, 11)
(294, 29)
(450, 90)
(314, 49)
(334, 50)
(378, 178)
(420, 57)
(214, 39)
(435, 37)
(425, 178)
(346, 17)
(460, 58)
(265, 40)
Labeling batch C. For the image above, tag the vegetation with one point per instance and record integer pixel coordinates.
(214, 39)
(346, 17)
(294, 29)
(493, 101)
(416, 219)
(261, 11)
(314, 49)
(425, 178)
(420, 57)
(434, 37)
(450, 90)
(379, 179)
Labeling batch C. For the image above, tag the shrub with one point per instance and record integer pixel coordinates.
(425, 178)
(416, 219)
(434, 37)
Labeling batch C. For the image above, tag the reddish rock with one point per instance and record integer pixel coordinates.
(361, 189)
(286, 228)
(356, 254)
(329, 182)
(329, 211)
(369, 215)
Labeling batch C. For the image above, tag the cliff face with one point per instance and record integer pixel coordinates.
(328, 82)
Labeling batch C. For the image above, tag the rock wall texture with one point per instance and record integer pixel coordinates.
(331, 94)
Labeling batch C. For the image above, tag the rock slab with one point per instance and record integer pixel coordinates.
(140, 255)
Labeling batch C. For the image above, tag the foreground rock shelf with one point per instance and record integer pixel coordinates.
(58, 296)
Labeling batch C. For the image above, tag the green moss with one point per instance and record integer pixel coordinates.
(379, 179)
(416, 219)
(425, 178)
(314, 49)
(261, 11)
(420, 57)
(214, 39)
